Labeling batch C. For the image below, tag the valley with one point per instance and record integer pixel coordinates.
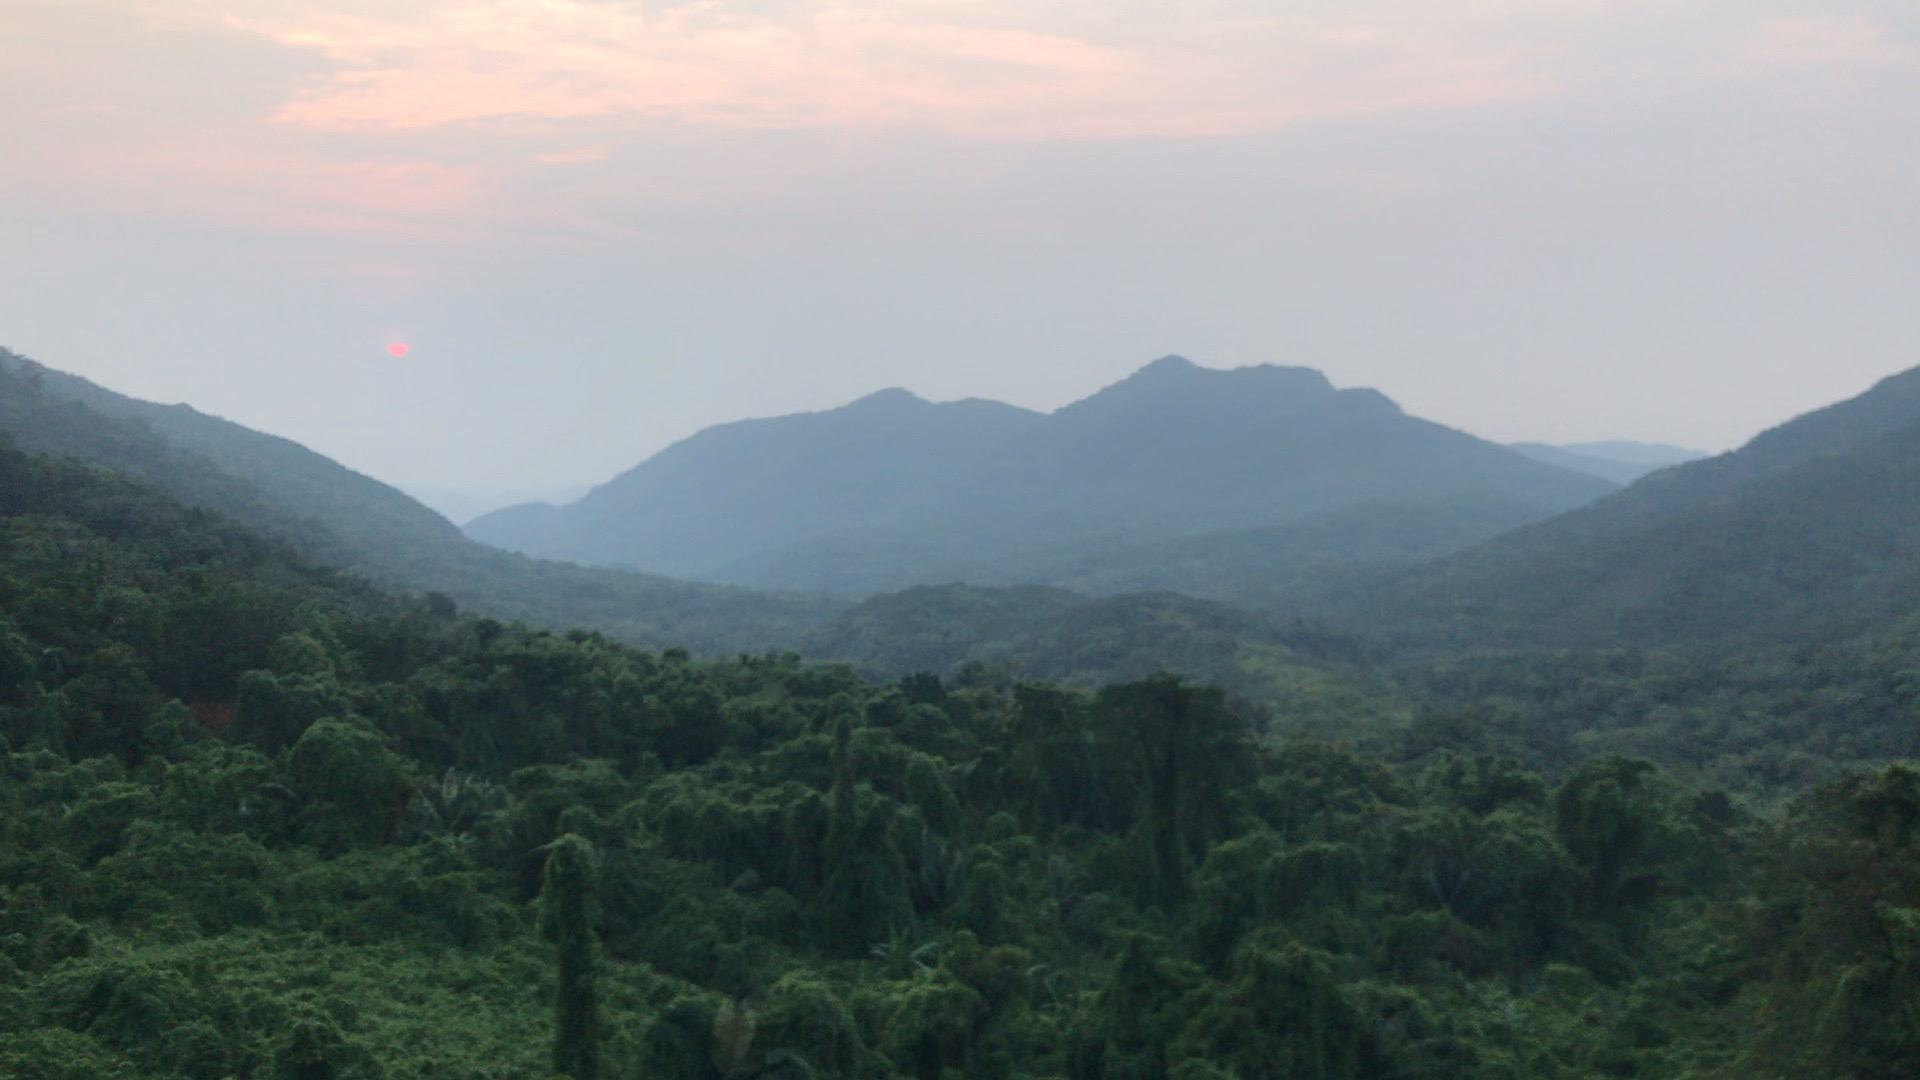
(1220, 725)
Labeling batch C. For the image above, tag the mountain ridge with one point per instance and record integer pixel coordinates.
(991, 493)
(341, 518)
(1618, 460)
(1807, 531)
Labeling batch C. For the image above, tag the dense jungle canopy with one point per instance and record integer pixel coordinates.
(259, 819)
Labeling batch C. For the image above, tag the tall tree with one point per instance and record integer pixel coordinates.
(864, 894)
(566, 901)
(1191, 750)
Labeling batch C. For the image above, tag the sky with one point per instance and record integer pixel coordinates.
(601, 225)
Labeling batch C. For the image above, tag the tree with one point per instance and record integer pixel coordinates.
(1838, 923)
(353, 788)
(863, 896)
(566, 900)
(1191, 751)
(1616, 816)
(16, 664)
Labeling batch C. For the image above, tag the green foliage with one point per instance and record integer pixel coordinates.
(338, 517)
(1619, 826)
(1838, 924)
(1284, 1016)
(1294, 672)
(1803, 536)
(1191, 751)
(566, 919)
(804, 1017)
(372, 839)
(351, 788)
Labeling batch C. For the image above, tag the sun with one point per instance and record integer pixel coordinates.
(397, 348)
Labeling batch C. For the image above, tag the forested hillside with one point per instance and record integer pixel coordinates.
(338, 518)
(1289, 673)
(261, 820)
(1809, 533)
(1267, 569)
(892, 491)
(341, 518)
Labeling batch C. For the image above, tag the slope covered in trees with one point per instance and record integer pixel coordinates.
(1294, 674)
(335, 518)
(892, 491)
(366, 837)
(342, 518)
(1807, 533)
(339, 518)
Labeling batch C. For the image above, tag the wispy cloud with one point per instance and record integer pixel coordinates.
(384, 112)
(1032, 70)
(276, 186)
(1810, 40)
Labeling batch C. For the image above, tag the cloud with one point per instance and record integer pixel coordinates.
(276, 186)
(1820, 40)
(579, 156)
(1040, 69)
(396, 114)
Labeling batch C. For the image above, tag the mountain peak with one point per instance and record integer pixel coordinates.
(893, 397)
(1275, 376)
(1178, 384)
(1170, 364)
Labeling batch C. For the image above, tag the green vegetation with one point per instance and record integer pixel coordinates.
(260, 820)
(1761, 723)
(340, 518)
(568, 922)
(1263, 569)
(1293, 674)
(1804, 535)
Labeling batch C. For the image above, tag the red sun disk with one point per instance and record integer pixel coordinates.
(398, 348)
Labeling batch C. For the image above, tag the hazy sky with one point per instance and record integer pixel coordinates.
(601, 225)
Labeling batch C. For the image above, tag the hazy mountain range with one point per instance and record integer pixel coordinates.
(466, 502)
(1618, 460)
(892, 491)
(1158, 483)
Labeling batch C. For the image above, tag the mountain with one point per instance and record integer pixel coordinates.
(734, 490)
(893, 491)
(1630, 452)
(137, 598)
(461, 504)
(1619, 460)
(154, 454)
(1809, 532)
(1262, 569)
(261, 821)
(340, 518)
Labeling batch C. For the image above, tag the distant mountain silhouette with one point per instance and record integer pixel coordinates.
(1808, 532)
(893, 491)
(731, 491)
(1618, 460)
(343, 519)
